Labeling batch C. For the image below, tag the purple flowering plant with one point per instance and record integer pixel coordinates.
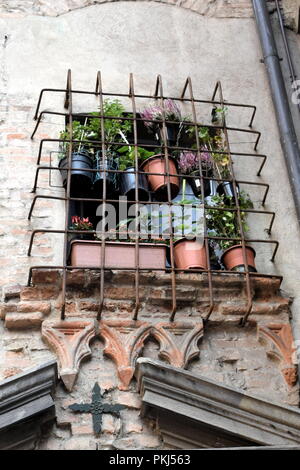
(188, 162)
(170, 111)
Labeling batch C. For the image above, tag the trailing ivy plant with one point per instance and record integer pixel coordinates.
(224, 223)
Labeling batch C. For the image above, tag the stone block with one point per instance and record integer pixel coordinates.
(23, 321)
(41, 307)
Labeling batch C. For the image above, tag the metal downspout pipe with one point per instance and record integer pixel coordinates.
(285, 123)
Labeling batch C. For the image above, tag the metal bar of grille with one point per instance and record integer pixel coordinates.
(68, 103)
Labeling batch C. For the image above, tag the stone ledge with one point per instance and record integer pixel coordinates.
(26, 404)
(214, 411)
(155, 295)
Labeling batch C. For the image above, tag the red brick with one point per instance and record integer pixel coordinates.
(39, 293)
(45, 277)
(89, 306)
(43, 307)
(20, 321)
(17, 136)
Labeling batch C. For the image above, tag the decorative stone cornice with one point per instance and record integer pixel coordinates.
(26, 404)
(124, 342)
(70, 341)
(195, 412)
(281, 342)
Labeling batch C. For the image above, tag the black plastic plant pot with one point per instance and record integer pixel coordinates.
(195, 184)
(81, 180)
(111, 178)
(226, 188)
(173, 133)
(127, 185)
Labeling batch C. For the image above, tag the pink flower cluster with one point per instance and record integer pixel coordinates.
(189, 161)
(170, 110)
(81, 223)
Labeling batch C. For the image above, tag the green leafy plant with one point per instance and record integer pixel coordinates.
(127, 231)
(224, 223)
(79, 132)
(127, 159)
(113, 128)
(90, 131)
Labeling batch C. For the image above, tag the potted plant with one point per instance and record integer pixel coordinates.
(83, 224)
(153, 120)
(114, 132)
(189, 164)
(224, 223)
(189, 247)
(120, 249)
(126, 162)
(81, 159)
(158, 179)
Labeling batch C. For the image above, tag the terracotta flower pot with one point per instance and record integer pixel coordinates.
(118, 255)
(190, 254)
(159, 182)
(233, 260)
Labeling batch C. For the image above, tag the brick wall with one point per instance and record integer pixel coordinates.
(258, 358)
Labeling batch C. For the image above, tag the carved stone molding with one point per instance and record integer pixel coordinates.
(27, 406)
(70, 342)
(178, 341)
(194, 412)
(282, 345)
(125, 339)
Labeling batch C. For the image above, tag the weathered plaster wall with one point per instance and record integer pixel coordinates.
(40, 40)
(216, 8)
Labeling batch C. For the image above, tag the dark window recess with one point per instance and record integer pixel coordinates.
(190, 164)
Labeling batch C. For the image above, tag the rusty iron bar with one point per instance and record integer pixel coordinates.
(175, 98)
(219, 102)
(241, 154)
(236, 196)
(206, 241)
(102, 260)
(249, 240)
(93, 170)
(136, 165)
(69, 104)
(185, 123)
(159, 89)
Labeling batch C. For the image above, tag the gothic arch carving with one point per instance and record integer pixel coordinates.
(125, 339)
(281, 346)
(70, 341)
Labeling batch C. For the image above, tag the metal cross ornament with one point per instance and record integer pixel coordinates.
(97, 408)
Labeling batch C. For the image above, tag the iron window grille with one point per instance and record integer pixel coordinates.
(136, 120)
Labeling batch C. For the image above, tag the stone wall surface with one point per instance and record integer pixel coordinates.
(291, 13)
(39, 41)
(216, 8)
